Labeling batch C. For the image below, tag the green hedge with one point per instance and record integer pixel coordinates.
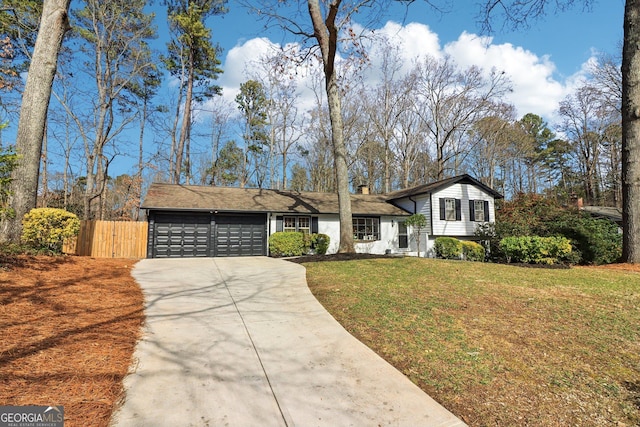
(472, 251)
(45, 229)
(287, 243)
(535, 249)
(448, 248)
(295, 243)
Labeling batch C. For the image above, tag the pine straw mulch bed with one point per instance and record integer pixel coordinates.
(69, 328)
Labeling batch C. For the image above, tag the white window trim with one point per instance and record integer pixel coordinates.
(373, 235)
(449, 214)
(476, 203)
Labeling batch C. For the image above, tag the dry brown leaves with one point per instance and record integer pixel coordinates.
(69, 328)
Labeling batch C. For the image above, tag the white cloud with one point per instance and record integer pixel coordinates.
(536, 87)
(237, 61)
(535, 90)
(415, 40)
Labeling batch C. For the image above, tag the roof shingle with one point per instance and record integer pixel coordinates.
(233, 199)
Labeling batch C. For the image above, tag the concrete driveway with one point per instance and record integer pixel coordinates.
(242, 342)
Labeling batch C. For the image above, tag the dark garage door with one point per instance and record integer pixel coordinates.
(179, 235)
(240, 235)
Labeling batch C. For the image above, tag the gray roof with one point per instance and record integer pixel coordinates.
(613, 214)
(435, 186)
(232, 199)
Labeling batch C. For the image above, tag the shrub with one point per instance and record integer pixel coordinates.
(448, 248)
(594, 241)
(472, 251)
(597, 241)
(8, 162)
(287, 243)
(320, 242)
(535, 249)
(45, 229)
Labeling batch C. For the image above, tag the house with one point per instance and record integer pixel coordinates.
(198, 221)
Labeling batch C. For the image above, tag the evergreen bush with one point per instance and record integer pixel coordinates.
(594, 240)
(472, 251)
(45, 229)
(287, 243)
(448, 248)
(535, 249)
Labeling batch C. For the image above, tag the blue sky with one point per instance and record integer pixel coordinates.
(545, 61)
(569, 38)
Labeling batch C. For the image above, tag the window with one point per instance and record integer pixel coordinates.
(304, 224)
(366, 228)
(290, 223)
(479, 210)
(296, 223)
(478, 206)
(403, 236)
(450, 210)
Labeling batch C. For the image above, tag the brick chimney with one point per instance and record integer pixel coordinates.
(363, 189)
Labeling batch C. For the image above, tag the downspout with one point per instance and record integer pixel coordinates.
(268, 233)
(431, 216)
(415, 205)
(415, 211)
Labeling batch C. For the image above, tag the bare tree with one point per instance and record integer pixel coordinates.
(387, 102)
(33, 114)
(221, 116)
(451, 101)
(277, 73)
(584, 122)
(316, 149)
(116, 34)
(492, 137)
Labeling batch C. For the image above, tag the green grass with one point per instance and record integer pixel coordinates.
(498, 344)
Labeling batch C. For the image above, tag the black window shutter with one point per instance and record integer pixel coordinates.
(279, 223)
(486, 211)
(472, 210)
(458, 210)
(314, 224)
(442, 210)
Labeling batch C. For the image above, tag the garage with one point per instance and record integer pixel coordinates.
(240, 235)
(195, 234)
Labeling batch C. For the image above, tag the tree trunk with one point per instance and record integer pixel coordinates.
(143, 122)
(186, 122)
(631, 133)
(440, 162)
(45, 159)
(33, 114)
(326, 33)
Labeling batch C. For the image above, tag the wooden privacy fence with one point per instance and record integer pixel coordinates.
(109, 239)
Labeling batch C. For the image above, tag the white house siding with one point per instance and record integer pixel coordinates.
(465, 227)
(329, 224)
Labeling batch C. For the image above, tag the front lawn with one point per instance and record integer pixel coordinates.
(498, 344)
